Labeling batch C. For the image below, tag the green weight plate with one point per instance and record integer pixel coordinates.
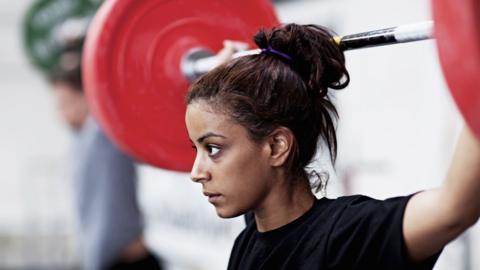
(41, 24)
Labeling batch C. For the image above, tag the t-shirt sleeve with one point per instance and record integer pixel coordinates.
(368, 234)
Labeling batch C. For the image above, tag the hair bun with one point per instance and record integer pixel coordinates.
(316, 58)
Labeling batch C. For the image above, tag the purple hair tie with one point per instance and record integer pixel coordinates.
(278, 53)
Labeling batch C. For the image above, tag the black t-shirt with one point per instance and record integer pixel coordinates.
(353, 232)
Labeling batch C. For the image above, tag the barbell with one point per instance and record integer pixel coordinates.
(200, 61)
(139, 57)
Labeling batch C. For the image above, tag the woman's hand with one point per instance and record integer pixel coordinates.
(230, 47)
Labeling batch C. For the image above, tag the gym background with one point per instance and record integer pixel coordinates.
(397, 130)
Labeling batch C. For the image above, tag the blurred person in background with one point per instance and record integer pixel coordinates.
(104, 177)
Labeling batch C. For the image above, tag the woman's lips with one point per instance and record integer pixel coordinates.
(212, 197)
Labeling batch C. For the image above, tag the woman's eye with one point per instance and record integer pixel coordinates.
(212, 150)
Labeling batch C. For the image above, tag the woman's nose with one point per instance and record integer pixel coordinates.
(199, 171)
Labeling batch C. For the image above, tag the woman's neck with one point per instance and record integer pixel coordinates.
(285, 203)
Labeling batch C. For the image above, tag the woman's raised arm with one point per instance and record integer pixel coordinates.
(435, 217)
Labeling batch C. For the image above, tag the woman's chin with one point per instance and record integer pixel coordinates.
(224, 213)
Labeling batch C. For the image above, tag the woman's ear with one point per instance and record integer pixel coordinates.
(281, 144)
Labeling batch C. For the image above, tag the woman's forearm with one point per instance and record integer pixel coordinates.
(435, 217)
(461, 189)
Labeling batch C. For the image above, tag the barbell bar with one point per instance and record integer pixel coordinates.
(193, 65)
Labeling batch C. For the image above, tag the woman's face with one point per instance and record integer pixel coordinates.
(234, 170)
(71, 104)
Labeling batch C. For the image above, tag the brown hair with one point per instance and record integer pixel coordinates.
(68, 67)
(262, 92)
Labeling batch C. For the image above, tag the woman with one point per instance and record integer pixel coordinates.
(255, 122)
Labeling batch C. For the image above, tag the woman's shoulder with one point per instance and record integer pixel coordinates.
(341, 203)
(354, 208)
(364, 201)
(350, 199)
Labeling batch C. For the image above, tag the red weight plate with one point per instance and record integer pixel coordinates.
(132, 74)
(457, 30)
